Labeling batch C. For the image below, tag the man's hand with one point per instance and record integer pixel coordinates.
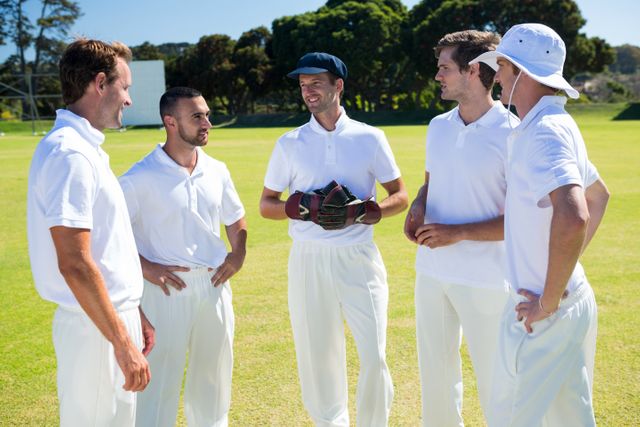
(231, 265)
(148, 333)
(437, 235)
(162, 275)
(530, 310)
(414, 219)
(134, 366)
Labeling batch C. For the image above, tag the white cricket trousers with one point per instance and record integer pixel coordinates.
(325, 284)
(545, 378)
(443, 311)
(90, 380)
(198, 320)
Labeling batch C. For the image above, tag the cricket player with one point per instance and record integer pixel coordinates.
(457, 221)
(82, 250)
(177, 197)
(555, 202)
(335, 269)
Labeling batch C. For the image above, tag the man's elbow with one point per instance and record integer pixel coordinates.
(403, 201)
(264, 209)
(575, 221)
(71, 268)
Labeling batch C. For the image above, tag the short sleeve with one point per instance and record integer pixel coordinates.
(232, 208)
(592, 174)
(129, 191)
(69, 190)
(553, 164)
(277, 177)
(385, 167)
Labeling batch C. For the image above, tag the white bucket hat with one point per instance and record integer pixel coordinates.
(537, 50)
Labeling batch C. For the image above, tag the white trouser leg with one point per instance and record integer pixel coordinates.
(364, 295)
(438, 338)
(171, 316)
(318, 335)
(199, 319)
(207, 394)
(90, 381)
(480, 312)
(544, 378)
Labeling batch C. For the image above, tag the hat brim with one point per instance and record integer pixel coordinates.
(555, 81)
(306, 70)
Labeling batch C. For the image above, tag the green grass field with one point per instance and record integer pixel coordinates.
(265, 389)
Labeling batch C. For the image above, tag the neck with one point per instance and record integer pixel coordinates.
(81, 108)
(329, 117)
(182, 153)
(475, 107)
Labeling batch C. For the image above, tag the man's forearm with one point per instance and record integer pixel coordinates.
(421, 197)
(237, 236)
(87, 284)
(567, 236)
(490, 230)
(597, 196)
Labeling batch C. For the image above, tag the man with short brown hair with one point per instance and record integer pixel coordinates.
(457, 222)
(83, 254)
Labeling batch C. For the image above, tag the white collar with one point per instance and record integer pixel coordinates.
(317, 127)
(544, 102)
(80, 125)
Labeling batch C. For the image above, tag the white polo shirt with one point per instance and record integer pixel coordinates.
(545, 152)
(467, 183)
(176, 216)
(72, 185)
(309, 157)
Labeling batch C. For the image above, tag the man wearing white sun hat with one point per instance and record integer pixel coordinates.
(555, 202)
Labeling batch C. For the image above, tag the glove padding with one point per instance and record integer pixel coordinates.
(304, 206)
(340, 208)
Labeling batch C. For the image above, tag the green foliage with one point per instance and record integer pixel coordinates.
(627, 59)
(363, 34)
(430, 20)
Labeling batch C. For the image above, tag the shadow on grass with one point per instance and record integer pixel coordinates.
(632, 112)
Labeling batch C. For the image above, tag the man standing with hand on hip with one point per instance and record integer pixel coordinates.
(555, 202)
(457, 221)
(83, 254)
(177, 197)
(335, 270)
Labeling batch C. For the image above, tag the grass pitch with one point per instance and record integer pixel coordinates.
(265, 388)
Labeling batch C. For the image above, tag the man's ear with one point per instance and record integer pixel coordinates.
(100, 81)
(474, 69)
(168, 121)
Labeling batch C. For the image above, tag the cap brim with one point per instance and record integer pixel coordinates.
(555, 81)
(306, 70)
(490, 58)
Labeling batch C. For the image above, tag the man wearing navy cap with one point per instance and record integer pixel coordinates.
(555, 202)
(335, 273)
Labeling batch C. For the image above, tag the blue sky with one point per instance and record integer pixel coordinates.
(133, 22)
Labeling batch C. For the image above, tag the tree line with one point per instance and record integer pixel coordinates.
(387, 47)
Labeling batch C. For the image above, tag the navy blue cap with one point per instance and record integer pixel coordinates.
(319, 62)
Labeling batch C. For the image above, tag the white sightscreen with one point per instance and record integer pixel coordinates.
(148, 86)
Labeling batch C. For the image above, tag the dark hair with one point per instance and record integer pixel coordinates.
(83, 59)
(169, 99)
(468, 45)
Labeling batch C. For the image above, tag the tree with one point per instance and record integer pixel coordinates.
(430, 20)
(45, 36)
(364, 34)
(146, 51)
(252, 67)
(627, 59)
